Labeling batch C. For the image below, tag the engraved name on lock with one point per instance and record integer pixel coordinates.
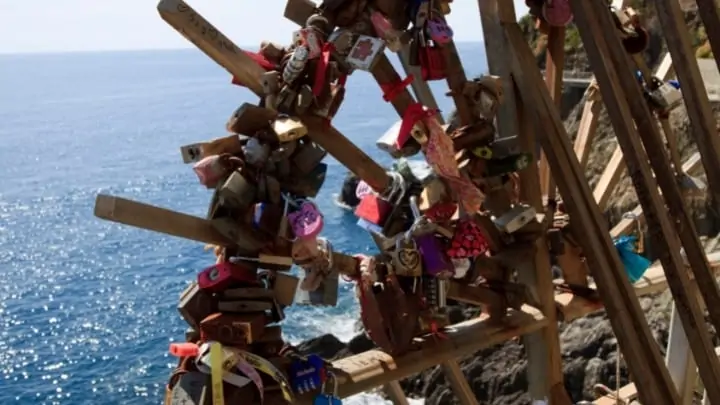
(407, 258)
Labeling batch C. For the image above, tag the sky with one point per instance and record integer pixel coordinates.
(94, 25)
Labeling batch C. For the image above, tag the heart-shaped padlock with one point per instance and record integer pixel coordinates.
(439, 31)
(468, 240)
(406, 258)
(307, 222)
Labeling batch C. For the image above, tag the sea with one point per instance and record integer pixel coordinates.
(88, 307)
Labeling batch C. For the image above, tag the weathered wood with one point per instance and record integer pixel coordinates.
(544, 348)
(458, 383)
(588, 124)
(704, 130)
(456, 80)
(193, 26)
(498, 60)
(609, 179)
(385, 74)
(365, 371)
(554, 68)
(623, 96)
(624, 311)
(395, 392)
(420, 87)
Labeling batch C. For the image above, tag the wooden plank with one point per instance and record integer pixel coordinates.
(704, 131)
(145, 216)
(385, 74)
(420, 87)
(609, 179)
(365, 371)
(623, 309)
(498, 60)
(588, 125)
(624, 97)
(395, 392)
(458, 383)
(193, 26)
(545, 369)
(626, 394)
(554, 68)
(679, 359)
(456, 80)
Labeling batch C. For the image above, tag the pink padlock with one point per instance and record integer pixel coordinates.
(557, 12)
(210, 171)
(307, 222)
(439, 31)
(362, 189)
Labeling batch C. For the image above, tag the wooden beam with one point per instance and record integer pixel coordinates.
(704, 127)
(395, 392)
(458, 383)
(365, 371)
(588, 125)
(609, 179)
(420, 87)
(554, 68)
(193, 26)
(624, 311)
(456, 80)
(623, 96)
(498, 61)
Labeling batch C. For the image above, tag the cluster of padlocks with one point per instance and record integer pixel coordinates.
(457, 220)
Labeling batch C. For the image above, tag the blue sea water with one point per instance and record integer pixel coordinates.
(87, 307)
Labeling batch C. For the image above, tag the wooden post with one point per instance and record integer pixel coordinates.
(421, 88)
(458, 383)
(695, 96)
(588, 124)
(395, 392)
(554, 68)
(623, 309)
(190, 24)
(498, 61)
(609, 179)
(622, 96)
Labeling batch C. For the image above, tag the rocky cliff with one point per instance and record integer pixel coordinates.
(498, 374)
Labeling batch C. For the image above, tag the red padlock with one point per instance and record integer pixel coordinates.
(432, 63)
(223, 275)
(376, 209)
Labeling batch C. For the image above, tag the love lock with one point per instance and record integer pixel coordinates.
(557, 12)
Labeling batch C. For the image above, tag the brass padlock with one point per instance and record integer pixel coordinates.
(288, 129)
(237, 193)
(307, 156)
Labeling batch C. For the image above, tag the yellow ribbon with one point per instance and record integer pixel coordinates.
(216, 373)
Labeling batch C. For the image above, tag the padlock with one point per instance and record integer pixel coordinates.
(192, 153)
(516, 218)
(244, 307)
(665, 98)
(271, 87)
(329, 105)
(256, 153)
(365, 52)
(432, 63)
(226, 145)
(557, 12)
(267, 261)
(237, 193)
(414, 171)
(439, 31)
(390, 141)
(266, 218)
(192, 388)
(196, 304)
(307, 156)
(287, 99)
(288, 128)
(307, 374)
(326, 294)
(248, 119)
(328, 398)
(246, 240)
(284, 287)
(342, 40)
(307, 222)
(296, 64)
(406, 258)
(260, 293)
(233, 329)
(308, 185)
(211, 170)
(376, 209)
(435, 261)
(385, 30)
(305, 99)
(272, 52)
(223, 275)
(468, 240)
(308, 38)
(508, 164)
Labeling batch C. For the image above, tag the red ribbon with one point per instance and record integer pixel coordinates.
(321, 69)
(414, 113)
(391, 90)
(260, 60)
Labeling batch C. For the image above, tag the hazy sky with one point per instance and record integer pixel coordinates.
(85, 25)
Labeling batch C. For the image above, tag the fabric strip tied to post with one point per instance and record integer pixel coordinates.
(391, 90)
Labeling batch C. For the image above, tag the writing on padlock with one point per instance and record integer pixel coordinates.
(307, 374)
(406, 257)
(307, 222)
(365, 52)
(439, 31)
